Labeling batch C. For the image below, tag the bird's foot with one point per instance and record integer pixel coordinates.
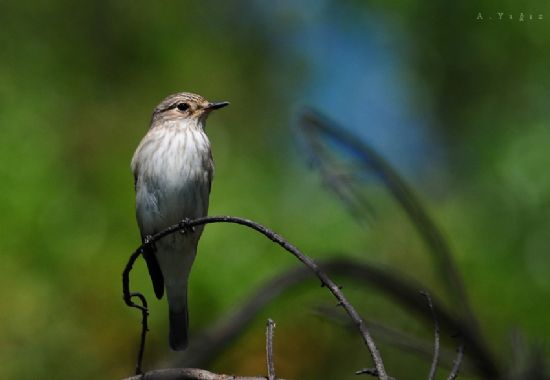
(149, 243)
(185, 227)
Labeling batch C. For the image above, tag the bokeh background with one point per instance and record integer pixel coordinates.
(458, 103)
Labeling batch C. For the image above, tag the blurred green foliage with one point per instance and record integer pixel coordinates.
(78, 81)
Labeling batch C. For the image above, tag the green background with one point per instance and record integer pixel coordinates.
(78, 82)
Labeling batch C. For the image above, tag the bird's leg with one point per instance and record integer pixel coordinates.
(185, 227)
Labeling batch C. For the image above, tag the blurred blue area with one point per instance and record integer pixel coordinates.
(357, 75)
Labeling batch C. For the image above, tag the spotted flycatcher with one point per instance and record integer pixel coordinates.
(173, 171)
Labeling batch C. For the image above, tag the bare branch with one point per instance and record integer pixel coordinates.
(437, 349)
(306, 260)
(396, 338)
(269, 349)
(188, 374)
(127, 295)
(144, 329)
(367, 371)
(457, 362)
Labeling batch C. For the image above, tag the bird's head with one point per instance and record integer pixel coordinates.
(185, 106)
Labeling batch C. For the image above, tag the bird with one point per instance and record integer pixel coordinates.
(173, 170)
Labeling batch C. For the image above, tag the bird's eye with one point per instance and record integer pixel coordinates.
(183, 106)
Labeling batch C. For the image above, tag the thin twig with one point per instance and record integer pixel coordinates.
(457, 362)
(144, 329)
(127, 295)
(367, 371)
(437, 348)
(269, 349)
(396, 338)
(306, 260)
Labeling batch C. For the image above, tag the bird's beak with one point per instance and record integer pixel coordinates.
(215, 106)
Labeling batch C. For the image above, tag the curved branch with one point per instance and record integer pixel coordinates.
(186, 225)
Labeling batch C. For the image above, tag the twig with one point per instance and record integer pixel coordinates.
(127, 296)
(457, 362)
(269, 349)
(396, 338)
(144, 329)
(306, 260)
(437, 348)
(367, 371)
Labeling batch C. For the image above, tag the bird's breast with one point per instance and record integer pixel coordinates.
(174, 171)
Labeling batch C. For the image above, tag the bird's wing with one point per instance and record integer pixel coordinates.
(154, 269)
(149, 253)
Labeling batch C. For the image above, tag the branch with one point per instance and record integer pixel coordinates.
(457, 362)
(404, 293)
(396, 338)
(127, 295)
(144, 329)
(437, 349)
(306, 260)
(269, 349)
(367, 371)
(188, 374)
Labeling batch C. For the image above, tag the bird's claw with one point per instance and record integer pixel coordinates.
(185, 227)
(148, 242)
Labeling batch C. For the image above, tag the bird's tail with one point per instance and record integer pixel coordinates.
(178, 314)
(179, 325)
(175, 261)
